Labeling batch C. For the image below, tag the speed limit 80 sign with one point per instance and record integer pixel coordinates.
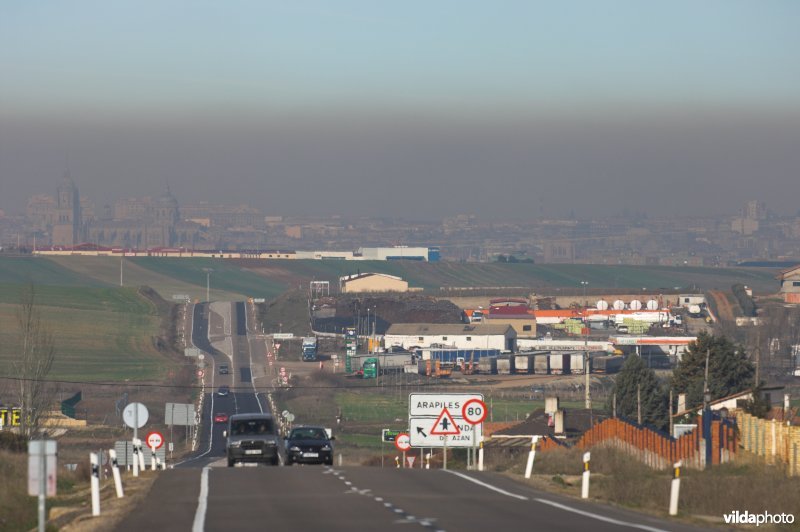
(474, 411)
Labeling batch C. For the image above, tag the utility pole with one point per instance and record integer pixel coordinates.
(586, 362)
(208, 283)
(758, 359)
(670, 412)
(707, 415)
(639, 403)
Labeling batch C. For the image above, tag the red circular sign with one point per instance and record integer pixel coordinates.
(154, 439)
(403, 442)
(474, 411)
(200, 373)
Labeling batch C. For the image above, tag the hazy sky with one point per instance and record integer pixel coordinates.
(413, 108)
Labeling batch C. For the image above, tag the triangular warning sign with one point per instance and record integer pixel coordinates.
(445, 425)
(410, 461)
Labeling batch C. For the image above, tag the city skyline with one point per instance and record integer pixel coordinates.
(423, 111)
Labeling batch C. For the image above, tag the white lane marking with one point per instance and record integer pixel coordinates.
(600, 517)
(202, 504)
(489, 486)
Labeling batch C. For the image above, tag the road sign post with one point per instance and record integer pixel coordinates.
(425, 426)
(42, 470)
(474, 412)
(403, 443)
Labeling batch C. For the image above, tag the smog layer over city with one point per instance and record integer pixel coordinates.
(350, 265)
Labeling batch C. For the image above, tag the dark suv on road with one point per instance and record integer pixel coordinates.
(252, 438)
(309, 445)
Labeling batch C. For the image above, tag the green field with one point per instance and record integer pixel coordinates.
(545, 278)
(227, 276)
(101, 334)
(238, 279)
(42, 271)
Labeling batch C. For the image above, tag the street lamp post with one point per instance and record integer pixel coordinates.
(208, 283)
(586, 362)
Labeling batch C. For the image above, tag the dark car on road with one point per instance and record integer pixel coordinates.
(252, 438)
(309, 445)
(223, 391)
(223, 369)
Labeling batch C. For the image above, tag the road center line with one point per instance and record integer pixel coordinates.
(202, 503)
(600, 517)
(488, 486)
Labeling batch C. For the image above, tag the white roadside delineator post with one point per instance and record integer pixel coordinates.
(676, 488)
(585, 485)
(531, 457)
(95, 483)
(152, 458)
(135, 459)
(480, 457)
(115, 471)
(142, 465)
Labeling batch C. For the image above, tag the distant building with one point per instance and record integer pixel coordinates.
(372, 282)
(66, 223)
(455, 335)
(520, 317)
(395, 253)
(145, 223)
(790, 284)
(560, 251)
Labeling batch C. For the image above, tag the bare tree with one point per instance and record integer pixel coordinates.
(35, 356)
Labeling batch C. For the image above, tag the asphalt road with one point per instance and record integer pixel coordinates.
(363, 498)
(228, 328)
(204, 494)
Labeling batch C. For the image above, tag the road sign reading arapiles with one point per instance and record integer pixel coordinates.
(154, 439)
(438, 418)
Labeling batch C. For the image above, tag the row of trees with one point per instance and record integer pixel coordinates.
(729, 372)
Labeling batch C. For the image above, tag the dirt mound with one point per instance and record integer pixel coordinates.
(381, 311)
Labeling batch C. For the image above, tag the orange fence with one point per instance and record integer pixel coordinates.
(658, 450)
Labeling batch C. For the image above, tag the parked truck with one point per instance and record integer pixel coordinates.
(310, 349)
